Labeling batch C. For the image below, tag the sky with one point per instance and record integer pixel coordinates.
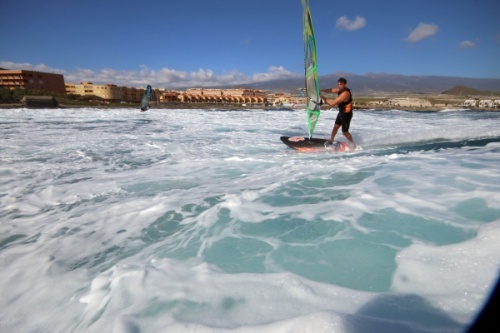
(195, 43)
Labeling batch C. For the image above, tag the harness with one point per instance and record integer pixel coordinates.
(346, 107)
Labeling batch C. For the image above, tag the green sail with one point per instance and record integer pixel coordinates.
(311, 71)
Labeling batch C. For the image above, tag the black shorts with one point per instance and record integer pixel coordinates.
(344, 119)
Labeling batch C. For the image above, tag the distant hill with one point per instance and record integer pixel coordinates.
(374, 83)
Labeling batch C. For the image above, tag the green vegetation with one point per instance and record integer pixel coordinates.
(8, 96)
(11, 96)
(72, 99)
(467, 91)
(15, 96)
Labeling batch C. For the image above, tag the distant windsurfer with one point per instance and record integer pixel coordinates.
(344, 103)
(145, 98)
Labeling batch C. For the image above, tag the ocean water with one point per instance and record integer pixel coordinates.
(203, 221)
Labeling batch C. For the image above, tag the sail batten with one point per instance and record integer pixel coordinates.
(311, 71)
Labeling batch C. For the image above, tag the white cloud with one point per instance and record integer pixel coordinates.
(467, 44)
(422, 31)
(28, 66)
(496, 37)
(273, 73)
(346, 24)
(162, 78)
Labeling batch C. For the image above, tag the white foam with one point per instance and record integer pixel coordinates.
(108, 216)
(456, 278)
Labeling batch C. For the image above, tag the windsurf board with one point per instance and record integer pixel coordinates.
(304, 144)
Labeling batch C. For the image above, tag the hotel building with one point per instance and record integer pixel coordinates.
(237, 96)
(32, 80)
(108, 92)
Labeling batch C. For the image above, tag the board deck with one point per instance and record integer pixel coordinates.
(313, 144)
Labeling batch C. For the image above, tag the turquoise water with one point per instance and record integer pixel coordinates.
(203, 221)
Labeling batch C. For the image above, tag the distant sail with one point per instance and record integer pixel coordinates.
(145, 98)
(311, 71)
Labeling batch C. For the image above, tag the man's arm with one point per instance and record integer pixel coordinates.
(330, 90)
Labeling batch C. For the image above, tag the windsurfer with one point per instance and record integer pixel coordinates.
(344, 103)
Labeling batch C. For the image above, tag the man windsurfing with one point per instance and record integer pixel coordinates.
(344, 103)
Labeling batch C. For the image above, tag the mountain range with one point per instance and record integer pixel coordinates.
(375, 83)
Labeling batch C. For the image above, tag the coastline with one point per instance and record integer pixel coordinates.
(207, 106)
(430, 102)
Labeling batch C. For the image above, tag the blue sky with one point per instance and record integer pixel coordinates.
(171, 44)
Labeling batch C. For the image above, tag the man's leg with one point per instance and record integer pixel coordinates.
(351, 141)
(334, 132)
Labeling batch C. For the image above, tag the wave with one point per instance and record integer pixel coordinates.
(431, 145)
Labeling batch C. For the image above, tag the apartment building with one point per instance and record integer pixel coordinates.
(32, 80)
(238, 96)
(169, 96)
(482, 103)
(114, 93)
(289, 100)
(108, 92)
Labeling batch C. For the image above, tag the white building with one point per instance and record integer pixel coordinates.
(471, 102)
(486, 103)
